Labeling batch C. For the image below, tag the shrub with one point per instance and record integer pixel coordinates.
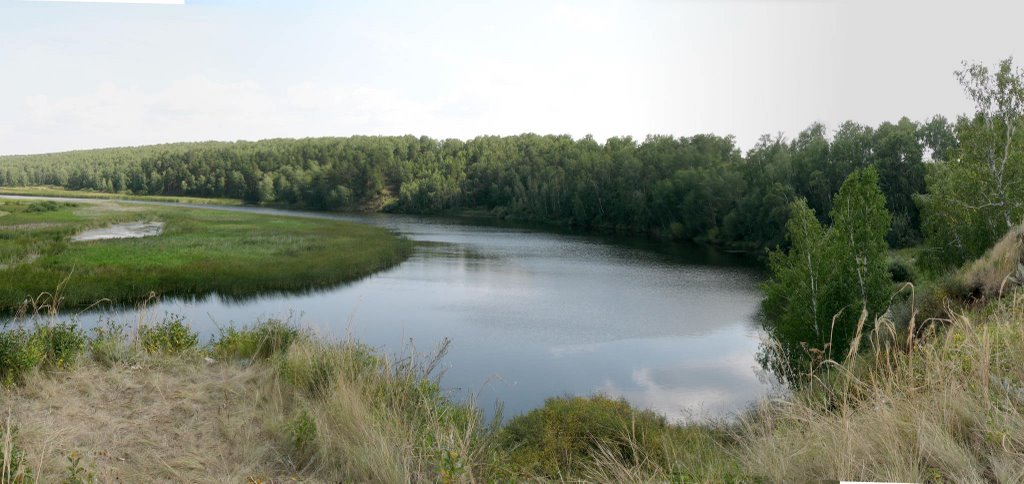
(900, 271)
(109, 345)
(171, 335)
(19, 353)
(302, 432)
(44, 206)
(61, 344)
(260, 342)
(566, 434)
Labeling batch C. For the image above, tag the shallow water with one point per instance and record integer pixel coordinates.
(534, 314)
(130, 230)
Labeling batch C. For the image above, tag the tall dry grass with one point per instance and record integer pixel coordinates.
(948, 409)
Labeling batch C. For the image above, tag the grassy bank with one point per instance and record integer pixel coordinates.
(199, 252)
(58, 192)
(922, 399)
(273, 402)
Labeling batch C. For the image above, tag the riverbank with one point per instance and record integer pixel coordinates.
(199, 252)
(277, 403)
(146, 401)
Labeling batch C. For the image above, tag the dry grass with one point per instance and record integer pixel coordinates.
(988, 276)
(949, 410)
(318, 412)
(168, 420)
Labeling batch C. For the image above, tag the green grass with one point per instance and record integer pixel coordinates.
(51, 191)
(199, 252)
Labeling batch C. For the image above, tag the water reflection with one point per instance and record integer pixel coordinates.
(533, 315)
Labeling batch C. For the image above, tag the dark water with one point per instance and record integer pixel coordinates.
(534, 314)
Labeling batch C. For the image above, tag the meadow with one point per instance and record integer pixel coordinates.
(199, 252)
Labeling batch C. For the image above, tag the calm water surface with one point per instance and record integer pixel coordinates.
(533, 315)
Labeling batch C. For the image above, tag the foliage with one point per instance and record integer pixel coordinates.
(19, 354)
(567, 434)
(976, 195)
(76, 473)
(170, 336)
(901, 271)
(302, 430)
(697, 188)
(61, 344)
(259, 342)
(831, 280)
(43, 206)
(109, 344)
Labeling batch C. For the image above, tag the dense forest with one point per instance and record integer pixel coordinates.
(699, 188)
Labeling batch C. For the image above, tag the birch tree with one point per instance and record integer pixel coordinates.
(978, 194)
(820, 287)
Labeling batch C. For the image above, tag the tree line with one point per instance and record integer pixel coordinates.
(698, 188)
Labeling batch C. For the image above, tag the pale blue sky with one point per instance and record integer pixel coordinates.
(82, 75)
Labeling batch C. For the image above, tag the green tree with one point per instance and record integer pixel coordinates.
(978, 194)
(266, 189)
(828, 278)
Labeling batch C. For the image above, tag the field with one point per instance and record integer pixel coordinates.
(199, 252)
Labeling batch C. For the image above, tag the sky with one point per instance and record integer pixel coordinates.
(87, 74)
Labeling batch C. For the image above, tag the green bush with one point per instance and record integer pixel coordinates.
(302, 432)
(260, 342)
(61, 344)
(44, 206)
(900, 271)
(109, 344)
(19, 354)
(564, 435)
(171, 335)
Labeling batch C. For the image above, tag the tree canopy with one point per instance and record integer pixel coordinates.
(698, 188)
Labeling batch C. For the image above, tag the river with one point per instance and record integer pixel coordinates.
(533, 314)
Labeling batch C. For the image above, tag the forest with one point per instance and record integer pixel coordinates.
(699, 188)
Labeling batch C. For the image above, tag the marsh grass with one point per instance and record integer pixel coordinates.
(200, 252)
